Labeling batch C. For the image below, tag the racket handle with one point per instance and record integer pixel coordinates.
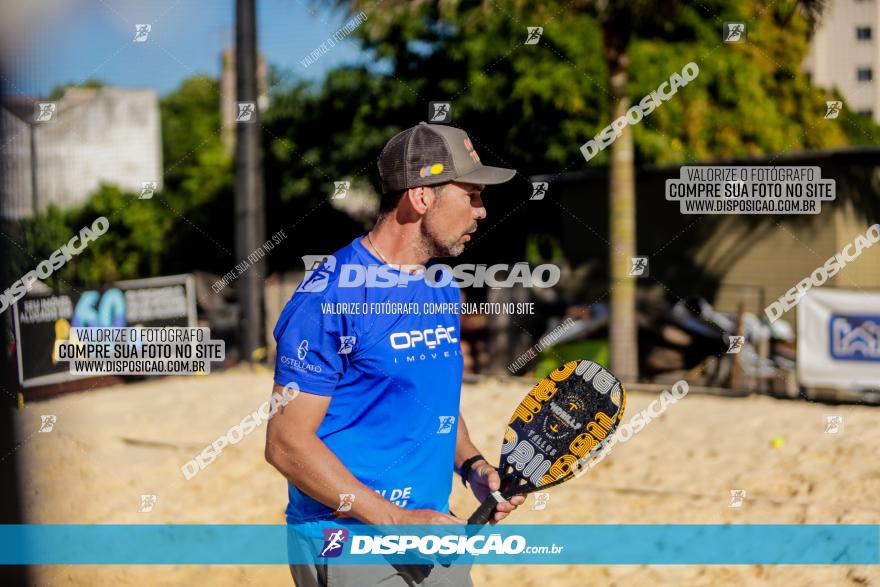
(487, 509)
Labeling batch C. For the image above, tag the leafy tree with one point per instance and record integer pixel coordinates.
(198, 180)
(191, 143)
(33, 240)
(134, 244)
(132, 247)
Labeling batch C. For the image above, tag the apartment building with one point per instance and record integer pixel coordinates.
(845, 53)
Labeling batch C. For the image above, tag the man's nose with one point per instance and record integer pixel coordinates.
(479, 209)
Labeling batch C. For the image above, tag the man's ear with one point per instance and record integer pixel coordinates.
(419, 198)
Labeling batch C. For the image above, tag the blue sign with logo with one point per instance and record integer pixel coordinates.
(854, 337)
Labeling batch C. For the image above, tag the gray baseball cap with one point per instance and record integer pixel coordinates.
(430, 154)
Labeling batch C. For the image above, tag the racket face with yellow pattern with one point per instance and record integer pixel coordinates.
(558, 427)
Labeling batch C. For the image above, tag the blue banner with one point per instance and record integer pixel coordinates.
(354, 543)
(854, 338)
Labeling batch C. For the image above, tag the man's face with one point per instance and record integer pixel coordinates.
(452, 218)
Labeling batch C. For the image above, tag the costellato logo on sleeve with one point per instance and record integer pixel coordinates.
(300, 363)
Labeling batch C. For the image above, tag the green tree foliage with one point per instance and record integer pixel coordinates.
(199, 180)
(196, 166)
(135, 242)
(34, 239)
(595, 58)
(132, 247)
(532, 106)
(319, 135)
(548, 99)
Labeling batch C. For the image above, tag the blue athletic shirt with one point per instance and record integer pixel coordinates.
(395, 380)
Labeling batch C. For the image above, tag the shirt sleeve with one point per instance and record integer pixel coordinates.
(310, 351)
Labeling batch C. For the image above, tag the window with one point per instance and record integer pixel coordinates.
(866, 113)
(863, 33)
(864, 74)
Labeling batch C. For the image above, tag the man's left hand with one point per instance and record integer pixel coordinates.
(484, 479)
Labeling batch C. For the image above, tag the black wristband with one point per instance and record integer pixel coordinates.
(465, 469)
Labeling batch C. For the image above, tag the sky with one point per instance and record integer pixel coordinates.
(73, 40)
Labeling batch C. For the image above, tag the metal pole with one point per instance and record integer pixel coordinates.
(249, 204)
(35, 195)
(734, 380)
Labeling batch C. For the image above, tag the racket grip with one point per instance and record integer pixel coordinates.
(487, 509)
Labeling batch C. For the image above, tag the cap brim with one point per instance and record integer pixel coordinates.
(487, 175)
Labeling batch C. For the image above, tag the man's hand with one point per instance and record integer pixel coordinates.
(484, 479)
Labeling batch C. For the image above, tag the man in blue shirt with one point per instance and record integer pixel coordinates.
(376, 432)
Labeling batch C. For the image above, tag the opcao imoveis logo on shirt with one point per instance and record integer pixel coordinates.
(319, 268)
(430, 343)
(431, 337)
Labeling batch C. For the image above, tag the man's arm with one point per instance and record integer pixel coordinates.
(464, 448)
(483, 477)
(293, 447)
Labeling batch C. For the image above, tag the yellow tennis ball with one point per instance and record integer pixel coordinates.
(777, 442)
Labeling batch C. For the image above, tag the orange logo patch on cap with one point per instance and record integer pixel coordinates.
(429, 170)
(470, 150)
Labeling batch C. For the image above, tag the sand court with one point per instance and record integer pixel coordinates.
(109, 447)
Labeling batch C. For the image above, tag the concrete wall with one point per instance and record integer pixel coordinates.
(109, 135)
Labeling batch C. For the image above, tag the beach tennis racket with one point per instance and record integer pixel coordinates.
(560, 425)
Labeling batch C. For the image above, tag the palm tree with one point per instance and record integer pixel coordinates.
(622, 332)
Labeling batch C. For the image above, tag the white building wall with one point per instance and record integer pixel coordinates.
(111, 136)
(106, 135)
